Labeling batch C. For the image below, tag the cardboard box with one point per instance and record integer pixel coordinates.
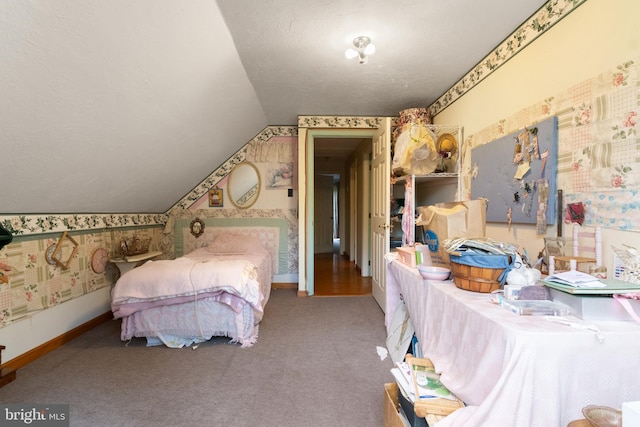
(444, 221)
(476, 218)
(394, 403)
(398, 413)
(594, 307)
(392, 417)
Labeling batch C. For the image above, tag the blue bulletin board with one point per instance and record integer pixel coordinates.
(517, 175)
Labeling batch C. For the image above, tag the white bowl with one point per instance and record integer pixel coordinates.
(434, 273)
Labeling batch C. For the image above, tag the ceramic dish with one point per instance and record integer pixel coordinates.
(434, 273)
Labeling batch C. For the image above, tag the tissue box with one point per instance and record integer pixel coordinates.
(407, 255)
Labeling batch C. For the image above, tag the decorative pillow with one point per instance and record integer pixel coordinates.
(233, 243)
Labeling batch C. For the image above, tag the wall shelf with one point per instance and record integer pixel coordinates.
(128, 263)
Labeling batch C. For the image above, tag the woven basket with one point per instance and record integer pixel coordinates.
(134, 246)
(477, 279)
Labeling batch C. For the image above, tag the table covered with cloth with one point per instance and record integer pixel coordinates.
(513, 370)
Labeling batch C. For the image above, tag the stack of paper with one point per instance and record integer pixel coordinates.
(576, 278)
(402, 373)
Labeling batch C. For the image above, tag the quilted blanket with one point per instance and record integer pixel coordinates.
(197, 275)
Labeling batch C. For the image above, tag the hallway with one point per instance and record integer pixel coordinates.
(335, 275)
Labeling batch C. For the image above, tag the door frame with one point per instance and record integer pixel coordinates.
(306, 168)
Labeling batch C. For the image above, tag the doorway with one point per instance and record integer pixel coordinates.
(354, 222)
(335, 272)
(337, 269)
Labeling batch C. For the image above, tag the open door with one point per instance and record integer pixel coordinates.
(306, 197)
(380, 181)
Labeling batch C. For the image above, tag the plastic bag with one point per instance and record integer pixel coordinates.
(415, 151)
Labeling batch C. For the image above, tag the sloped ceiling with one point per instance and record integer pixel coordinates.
(125, 106)
(117, 106)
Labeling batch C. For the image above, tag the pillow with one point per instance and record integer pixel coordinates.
(234, 243)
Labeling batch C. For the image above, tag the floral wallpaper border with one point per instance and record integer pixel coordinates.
(270, 132)
(224, 169)
(38, 224)
(339, 122)
(545, 18)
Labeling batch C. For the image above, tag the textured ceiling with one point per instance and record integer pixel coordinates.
(125, 106)
(293, 50)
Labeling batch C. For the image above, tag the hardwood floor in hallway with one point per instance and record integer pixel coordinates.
(335, 275)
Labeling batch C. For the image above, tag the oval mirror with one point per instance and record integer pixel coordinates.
(244, 185)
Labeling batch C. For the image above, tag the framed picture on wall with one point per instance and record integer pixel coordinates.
(279, 175)
(215, 198)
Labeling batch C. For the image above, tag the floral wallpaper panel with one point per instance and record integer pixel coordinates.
(598, 144)
(28, 283)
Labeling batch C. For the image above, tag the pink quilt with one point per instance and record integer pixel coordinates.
(173, 281)
(192, 298)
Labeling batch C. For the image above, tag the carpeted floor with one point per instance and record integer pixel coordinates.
(315, 364)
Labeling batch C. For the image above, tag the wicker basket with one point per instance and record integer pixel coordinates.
(134, 246)
(478, 279)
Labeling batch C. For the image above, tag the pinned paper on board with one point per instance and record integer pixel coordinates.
(507, 172)
(522, 170)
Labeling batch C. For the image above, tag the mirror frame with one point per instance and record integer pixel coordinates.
(54, 252)
(254, 197)
(196, 227)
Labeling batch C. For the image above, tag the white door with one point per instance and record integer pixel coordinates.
(353, 209)
(380, 181)
(323, 214)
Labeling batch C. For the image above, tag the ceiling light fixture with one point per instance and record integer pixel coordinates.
(363, 48)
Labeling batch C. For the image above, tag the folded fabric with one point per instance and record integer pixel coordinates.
(623, 300)
(575, 213)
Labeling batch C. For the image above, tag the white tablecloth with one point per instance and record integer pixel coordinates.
(514, 370)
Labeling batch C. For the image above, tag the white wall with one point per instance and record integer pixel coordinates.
(26, 334)
(594, 38)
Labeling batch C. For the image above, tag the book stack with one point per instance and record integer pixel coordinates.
(577, 282)
(589, 298)
(423, 399)
(575, 279)
(426, 384)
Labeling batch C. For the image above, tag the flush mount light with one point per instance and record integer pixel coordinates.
(363, 48)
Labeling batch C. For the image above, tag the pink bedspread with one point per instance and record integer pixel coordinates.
(218, 290)
(230, 280)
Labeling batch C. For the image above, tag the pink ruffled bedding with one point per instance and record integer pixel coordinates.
(202, 294)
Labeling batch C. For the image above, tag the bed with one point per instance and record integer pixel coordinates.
(217, 290)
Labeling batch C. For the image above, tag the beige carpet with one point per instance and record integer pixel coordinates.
(315, 364)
